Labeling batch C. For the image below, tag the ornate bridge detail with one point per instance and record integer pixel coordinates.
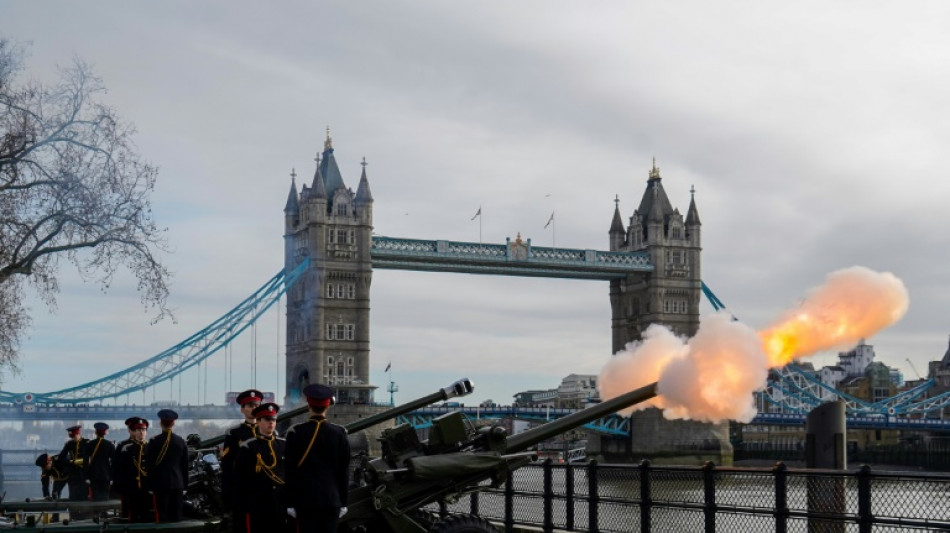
(515, 258)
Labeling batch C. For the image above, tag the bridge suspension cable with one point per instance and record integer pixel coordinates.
(178, 358)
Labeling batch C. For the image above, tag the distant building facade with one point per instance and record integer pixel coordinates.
(576, 391)
(328, 309)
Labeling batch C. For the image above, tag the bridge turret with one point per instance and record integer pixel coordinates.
(291, 219)
(317, 203)
(363, 194)
(617, 233)
(292, 207)
(692, 219)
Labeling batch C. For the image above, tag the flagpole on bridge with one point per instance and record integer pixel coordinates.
(478, 215)
(551, 222)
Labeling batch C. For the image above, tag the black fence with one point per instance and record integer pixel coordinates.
(646, 498)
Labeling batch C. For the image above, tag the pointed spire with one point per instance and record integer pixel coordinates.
(692, 215)
(329, 169)
(318, 189)
(363, 195)
(292, 206)
(655, 205)
(616, 226)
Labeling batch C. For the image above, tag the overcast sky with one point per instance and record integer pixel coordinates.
(812, 132)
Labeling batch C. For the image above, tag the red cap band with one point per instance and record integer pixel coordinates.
(323, 402)
(250, 399)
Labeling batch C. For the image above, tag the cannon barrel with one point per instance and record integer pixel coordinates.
(524, 440)
(461, 387)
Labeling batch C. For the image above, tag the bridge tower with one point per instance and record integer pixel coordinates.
(670, 294)
(328, 308)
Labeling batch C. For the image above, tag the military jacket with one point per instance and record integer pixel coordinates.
(259, 470)
(98, 454)
(130, 467)
(232, 443)
(71, 460)
(167, 457)
(318, 464)
(52, 474)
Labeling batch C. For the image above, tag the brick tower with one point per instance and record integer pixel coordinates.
(328, 308)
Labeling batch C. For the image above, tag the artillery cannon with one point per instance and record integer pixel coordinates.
(453, 462)
(203, 495)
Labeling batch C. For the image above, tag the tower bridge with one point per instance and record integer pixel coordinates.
(653, 267)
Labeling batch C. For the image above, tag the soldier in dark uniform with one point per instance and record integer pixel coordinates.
(71, 462)
(318, 464)
(49, 472)
(167, 457)
(99, 452)
(259, 470)
(130, 473)
(246, 430)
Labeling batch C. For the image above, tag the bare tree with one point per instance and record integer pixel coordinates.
(72, 187)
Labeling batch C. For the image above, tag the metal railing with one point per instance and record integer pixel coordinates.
(646, 498)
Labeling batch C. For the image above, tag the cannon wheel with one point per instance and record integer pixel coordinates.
(424, 518)
(463, 523)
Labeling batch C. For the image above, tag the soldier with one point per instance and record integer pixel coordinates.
(167, 457)
(71, 462)
(248, 400)
(259, 470)
(98, 455)
(129, 472)
(318, 463)
(49, 472)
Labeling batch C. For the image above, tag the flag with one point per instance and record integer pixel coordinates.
(387, 366)
(549, 220)
(477, 213)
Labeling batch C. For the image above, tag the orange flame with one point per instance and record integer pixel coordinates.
(853, 304)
